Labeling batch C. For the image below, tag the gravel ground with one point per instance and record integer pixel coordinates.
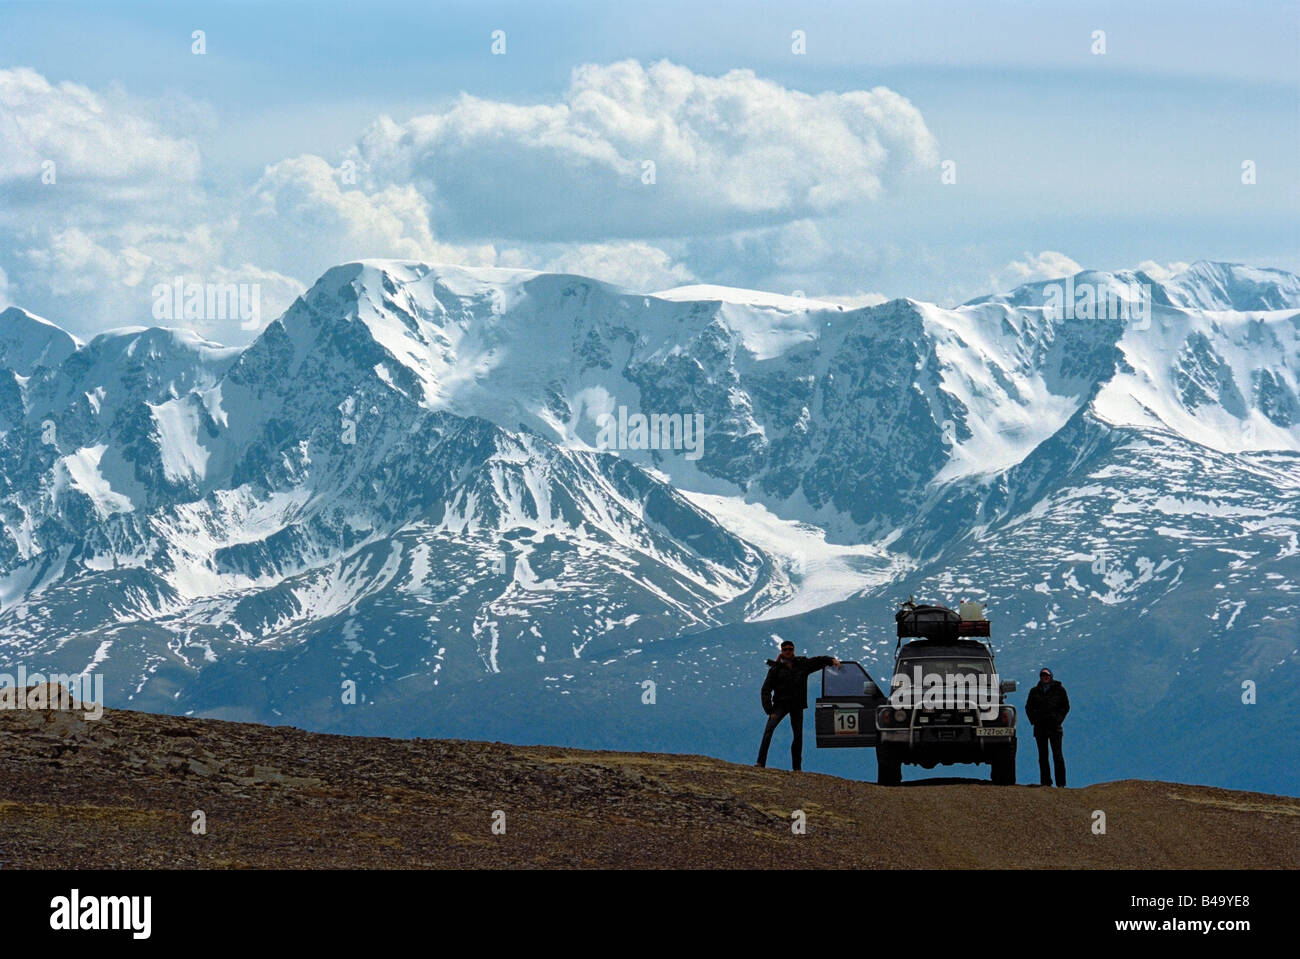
(122, 792)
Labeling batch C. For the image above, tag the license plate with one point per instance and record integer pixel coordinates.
(993, 731)
(846, 722)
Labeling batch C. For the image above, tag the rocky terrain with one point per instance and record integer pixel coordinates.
(123, 791)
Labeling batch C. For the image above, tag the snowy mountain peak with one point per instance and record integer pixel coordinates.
(1064, 296)
(1207, 285)
(349, 288)
(28, 341)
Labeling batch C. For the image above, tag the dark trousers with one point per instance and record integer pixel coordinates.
(1054, 738)
(796, 744)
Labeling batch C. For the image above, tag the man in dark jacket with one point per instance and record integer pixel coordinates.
(785, 692)
(1046, 708)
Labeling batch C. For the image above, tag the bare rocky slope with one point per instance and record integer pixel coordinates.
(123, 791)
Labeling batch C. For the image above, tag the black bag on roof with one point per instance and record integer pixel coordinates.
(927, 622)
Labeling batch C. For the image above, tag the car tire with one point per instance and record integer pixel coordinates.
(1004, 767)
(889, 771)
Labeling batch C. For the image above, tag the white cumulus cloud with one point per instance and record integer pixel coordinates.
(303, 217)
(1160, 272)
(648, 177)
(635, 265)
(1047, 265)
(649, 151)
(90, 138)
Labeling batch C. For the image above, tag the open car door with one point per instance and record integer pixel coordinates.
(846, 710)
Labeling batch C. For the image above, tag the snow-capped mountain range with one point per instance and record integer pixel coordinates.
(475, 494)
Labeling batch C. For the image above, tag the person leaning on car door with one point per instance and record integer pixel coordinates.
(1046, 707)
(785, 693)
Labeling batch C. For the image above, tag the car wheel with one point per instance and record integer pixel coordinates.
(1004, 768)
(889, 771)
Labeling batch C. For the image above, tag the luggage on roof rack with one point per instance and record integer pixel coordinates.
(973, 621)
(927, 622)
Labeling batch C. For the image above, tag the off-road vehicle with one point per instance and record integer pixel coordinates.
(946, 704)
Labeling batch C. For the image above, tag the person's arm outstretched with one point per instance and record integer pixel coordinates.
(821, 662)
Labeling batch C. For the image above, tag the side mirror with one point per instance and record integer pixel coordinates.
(1007, 686)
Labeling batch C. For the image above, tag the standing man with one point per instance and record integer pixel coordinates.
(785, 692)
(1046, 708)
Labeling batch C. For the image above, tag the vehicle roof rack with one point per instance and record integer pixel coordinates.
(924, 622)
(960, 642)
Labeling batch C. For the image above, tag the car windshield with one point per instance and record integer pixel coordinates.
(939, 680)
(944, 666)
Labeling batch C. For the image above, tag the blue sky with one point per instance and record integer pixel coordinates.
(818, 171)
